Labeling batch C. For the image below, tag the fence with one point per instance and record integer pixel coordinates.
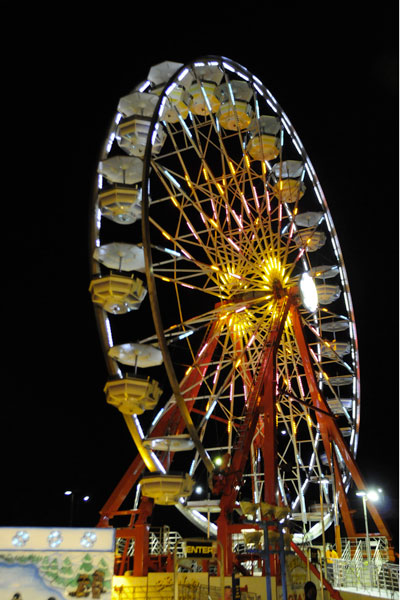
(381, 579)
(187, 591)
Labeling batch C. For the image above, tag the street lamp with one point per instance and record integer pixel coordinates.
(71, 510)
(373, 496)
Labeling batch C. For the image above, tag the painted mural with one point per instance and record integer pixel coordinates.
(56, 564)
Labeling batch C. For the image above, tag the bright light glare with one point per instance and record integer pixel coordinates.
(198, 489)
(218, 461)
(68, 493)
(308, 292)
(372, 495)
(85, 498)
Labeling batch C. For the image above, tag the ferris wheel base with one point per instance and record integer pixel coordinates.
(200, 585)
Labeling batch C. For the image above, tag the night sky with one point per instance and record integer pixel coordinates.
(336, 79)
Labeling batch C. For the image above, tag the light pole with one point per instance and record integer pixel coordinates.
(71, 510)
(373, 496)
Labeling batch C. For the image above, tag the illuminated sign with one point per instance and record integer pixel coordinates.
(197, 549)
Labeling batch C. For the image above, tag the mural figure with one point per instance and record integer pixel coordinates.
(97, 584)
(83, 588)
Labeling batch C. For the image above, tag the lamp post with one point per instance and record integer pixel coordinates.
(373, 496)
(72, 493)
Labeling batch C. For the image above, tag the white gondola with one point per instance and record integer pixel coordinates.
(170, 443)
(334, 326)
(235, 111)
(122, 169)
(308, 219)
(335, 349)
(328, 293)
(202, 90)
(310, 241)
(136, 355)
(121, 256)
(324, 271)
(264, 143)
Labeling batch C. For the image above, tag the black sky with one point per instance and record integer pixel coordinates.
(335, 76)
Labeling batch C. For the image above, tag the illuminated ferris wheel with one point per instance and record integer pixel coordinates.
(208, 208)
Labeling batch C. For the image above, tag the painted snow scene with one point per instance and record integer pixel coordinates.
(55, 573)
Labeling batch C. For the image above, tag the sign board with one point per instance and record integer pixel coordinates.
(199, 549)
(38, 563)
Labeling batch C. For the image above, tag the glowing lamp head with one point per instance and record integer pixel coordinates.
(308, 292)
(373, 496)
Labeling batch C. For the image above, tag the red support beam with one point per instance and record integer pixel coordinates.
(330, 432)
(263, 387)
(170, 422)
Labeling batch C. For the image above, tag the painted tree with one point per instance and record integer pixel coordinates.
(66, 573)
(86, 564)
(44, 566)
(52, 572)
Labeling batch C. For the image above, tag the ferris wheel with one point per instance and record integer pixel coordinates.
(208, 210)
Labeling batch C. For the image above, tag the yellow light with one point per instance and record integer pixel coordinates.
(174, 201)
(213, 223)
(188, 182)
(295, 211)
(220, 189)
(188, 371)
(238, 363)
(229, 426)
(165, 279)
(246, 158)
(167, 235)
(215, 268)
(294, 427)
(205, 174)
(231, 167)
(309, 420)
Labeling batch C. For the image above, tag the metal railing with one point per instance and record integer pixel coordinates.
(373, 578)
(355, 548)
(186, 591)
(161, 541)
